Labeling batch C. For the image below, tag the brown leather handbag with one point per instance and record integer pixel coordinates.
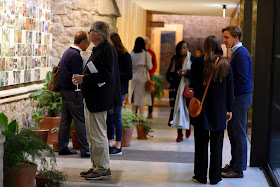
(53, 84)
(195, 105)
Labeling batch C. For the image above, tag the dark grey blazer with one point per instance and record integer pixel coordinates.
(108, 96)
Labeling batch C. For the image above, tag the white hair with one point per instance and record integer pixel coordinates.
(147, 39)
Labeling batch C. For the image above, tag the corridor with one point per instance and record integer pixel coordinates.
(156, 162)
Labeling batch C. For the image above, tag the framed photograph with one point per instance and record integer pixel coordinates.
(20, 36)
(29, 62)
(6, 80)
(2, 78)
(16, 50)
(3, 64)
(3, 50)
(15, 66)
(37, 73)
(1, 5)
(12, 7)
(10, 63)
(24, 10)
(27, 75)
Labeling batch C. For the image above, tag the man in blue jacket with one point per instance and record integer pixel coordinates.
(72, 108)
(241, 64)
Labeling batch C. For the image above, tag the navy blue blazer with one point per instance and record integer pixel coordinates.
(218, 100)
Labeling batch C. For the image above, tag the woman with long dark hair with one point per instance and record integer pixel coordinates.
(179, 67)
(216, 110)
(141, 61)
(114, 121)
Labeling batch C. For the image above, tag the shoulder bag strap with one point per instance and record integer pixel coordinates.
(146, 65)
(209, 81)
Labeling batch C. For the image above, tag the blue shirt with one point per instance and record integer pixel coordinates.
(241, 63)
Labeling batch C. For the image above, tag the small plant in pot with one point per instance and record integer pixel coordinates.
(50, 178)
(50, 104)
(143, 127)
(37, 118)
(128, 121)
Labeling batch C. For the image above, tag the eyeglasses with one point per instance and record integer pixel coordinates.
(91, 30)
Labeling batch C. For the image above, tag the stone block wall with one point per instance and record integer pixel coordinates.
(196, 28)
(71, 16)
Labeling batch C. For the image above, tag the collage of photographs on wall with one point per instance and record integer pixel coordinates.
(25, 42)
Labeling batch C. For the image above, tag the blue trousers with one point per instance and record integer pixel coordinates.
(237, 132)
(114, 121)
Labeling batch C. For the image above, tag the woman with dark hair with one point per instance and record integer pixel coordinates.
(216, 110)
(179, 67)
(141, 61)
(114, 121)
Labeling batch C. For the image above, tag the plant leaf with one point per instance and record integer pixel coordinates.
(4, 121)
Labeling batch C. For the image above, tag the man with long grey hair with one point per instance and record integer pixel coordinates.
(101, 91)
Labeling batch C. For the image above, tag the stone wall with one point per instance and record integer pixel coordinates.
(196, 28)
(71, 16)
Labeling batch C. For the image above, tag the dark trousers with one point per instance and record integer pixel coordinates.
(202, 138)
(151, 107)
(237, 132)
(72, 108)
(114, 121)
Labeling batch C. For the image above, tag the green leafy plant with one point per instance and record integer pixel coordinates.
(49, 102)
(128, 118)
(24, 146)
(50, 177)
(37, 118)
(142, 121)
(159, 86)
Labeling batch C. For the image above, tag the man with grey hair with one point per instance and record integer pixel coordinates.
(101, 91)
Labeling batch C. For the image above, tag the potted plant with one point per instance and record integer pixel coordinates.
(51, 105)
(42, 133)
(128, 118)
(158, 79)
(23, 150)
(73, 135)
(50, 178)
(143, 127)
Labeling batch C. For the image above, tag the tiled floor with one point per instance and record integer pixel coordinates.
(156, 162)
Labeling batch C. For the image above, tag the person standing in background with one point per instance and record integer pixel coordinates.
(152, 71)
(174, 75)
(241, 63)
(141, 62)
(72, 101)
(198, 52)
(114, 121)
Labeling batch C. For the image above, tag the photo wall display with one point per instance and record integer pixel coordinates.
(25, 41)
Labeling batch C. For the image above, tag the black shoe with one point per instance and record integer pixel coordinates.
(213, 183)
(67, 152)
(194, 179)
(85, 155)
(116, 151)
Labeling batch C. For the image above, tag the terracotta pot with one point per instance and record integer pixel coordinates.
(142, 135)
(43, 134)
(55, 145)
(127, 137)
(49, 123)
(23, 175)
(74, 138)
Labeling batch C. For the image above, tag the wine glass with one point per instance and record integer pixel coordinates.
(77, 90)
